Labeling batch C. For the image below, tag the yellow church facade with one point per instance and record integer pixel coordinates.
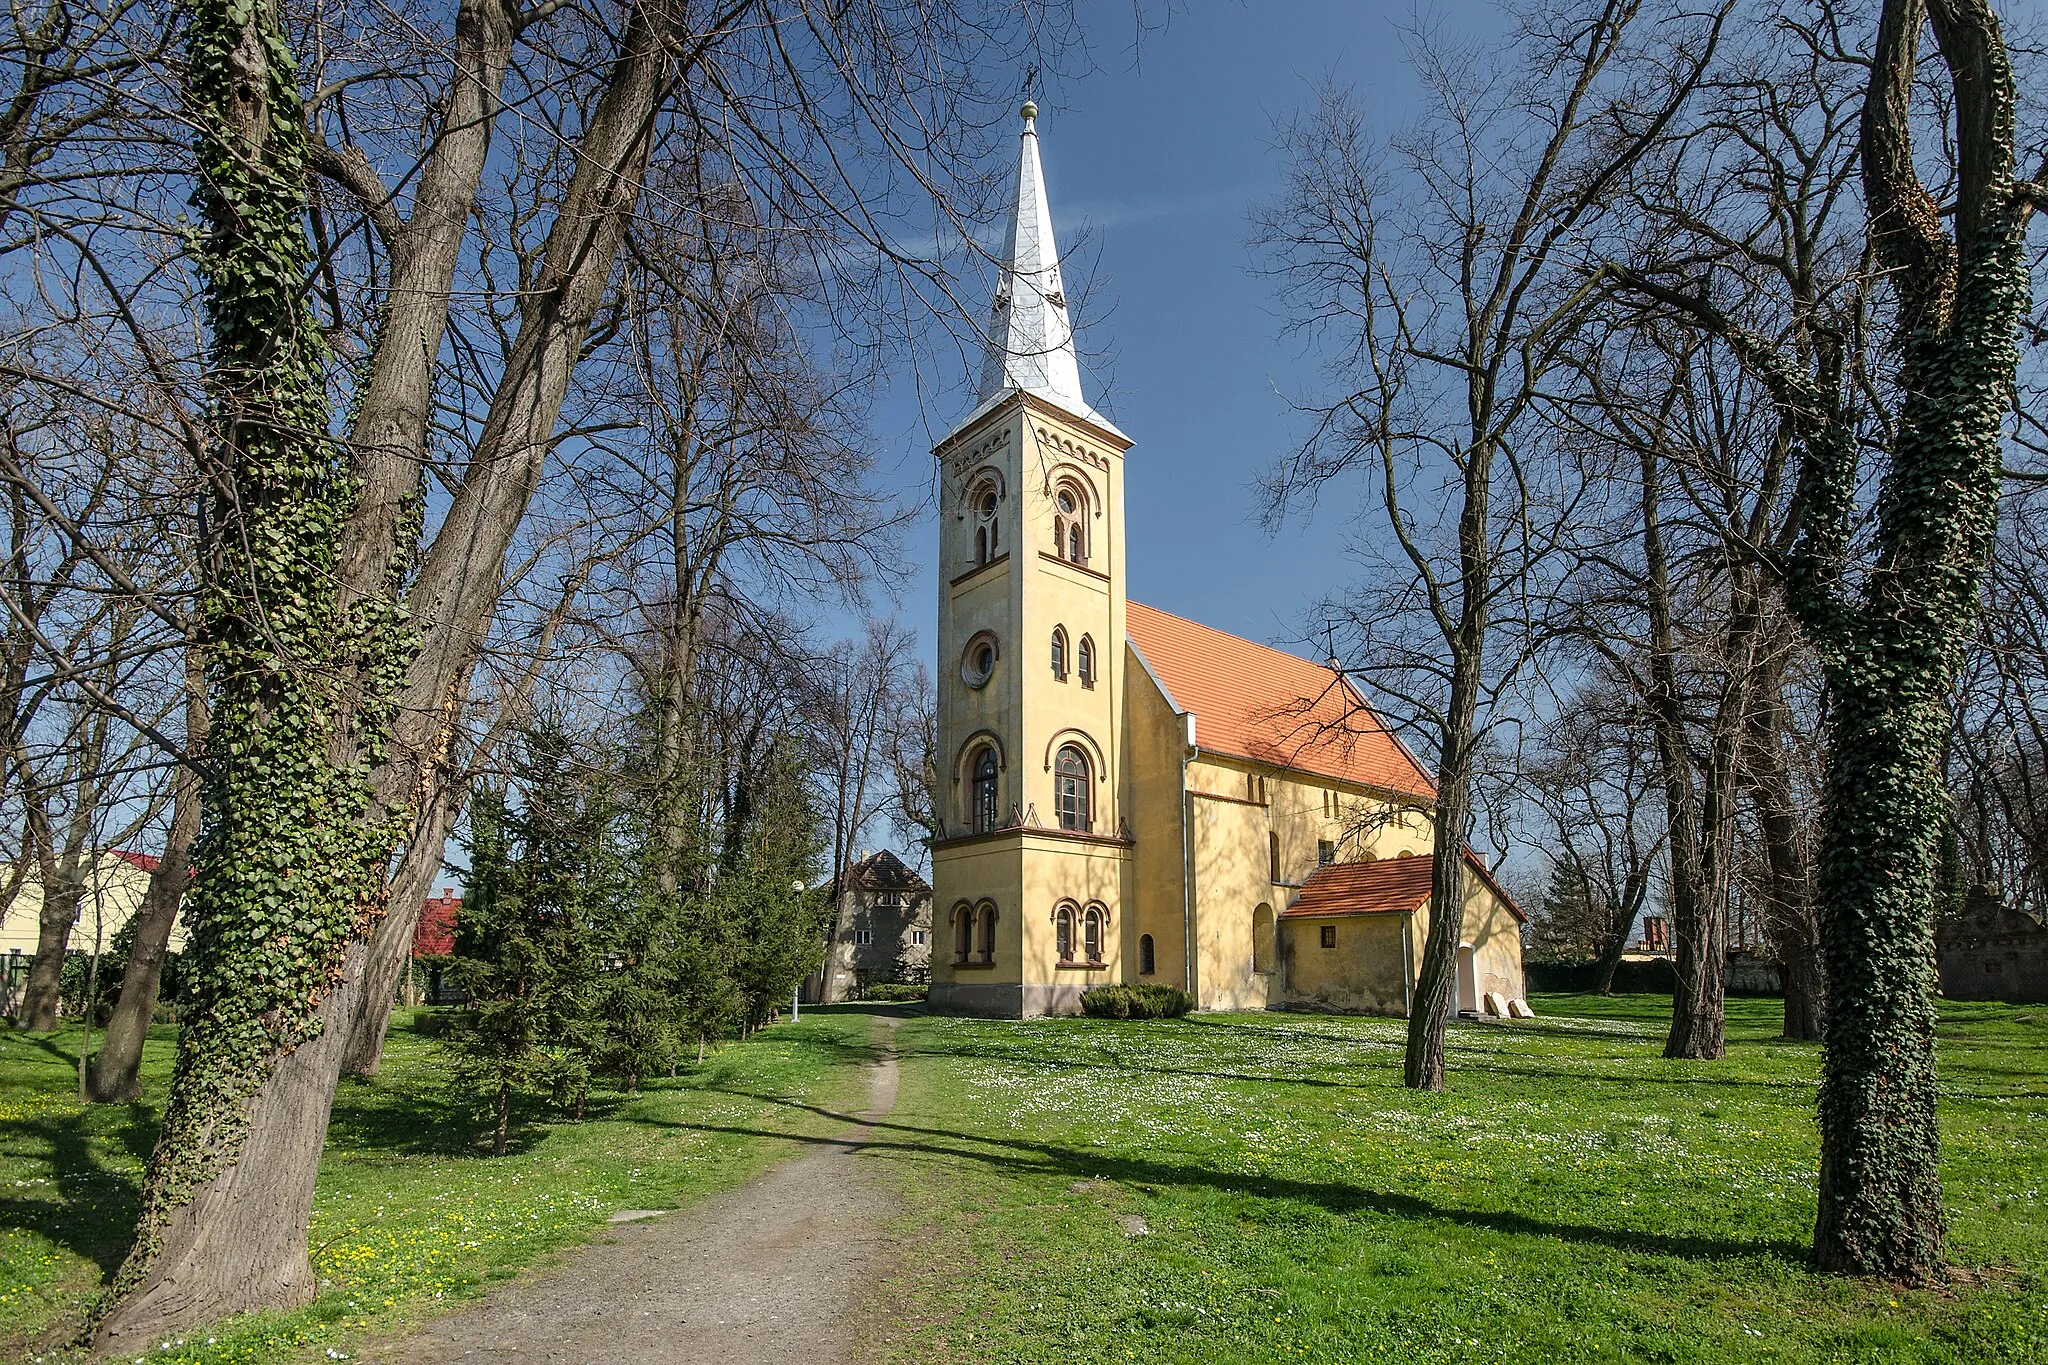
(1129, 796)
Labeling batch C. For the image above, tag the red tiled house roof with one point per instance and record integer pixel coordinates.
(1254, 702)
(1390, 886)
(434, 936)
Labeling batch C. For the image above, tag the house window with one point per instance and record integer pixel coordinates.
(1059, 653)
(1063, 932)
(919, 937)
(978, 660)
(1070, 789)
(986, 530)
(988, 931)
(1146, 961)
(1069, 538)
(985, 782)
(1329, 935)
(1091, 932)
(1086, 666)
(863, 938)
(1326, 852)
(1262, 939)
(963, 931)
(1273, 855)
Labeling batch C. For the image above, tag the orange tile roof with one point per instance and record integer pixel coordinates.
(1390, 886)
(1255, 702)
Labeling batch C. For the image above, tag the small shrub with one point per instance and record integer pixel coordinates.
(895, 992)
(1147, 1001)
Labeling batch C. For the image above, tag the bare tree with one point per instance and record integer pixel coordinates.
(1442, 267)
(1592, 782)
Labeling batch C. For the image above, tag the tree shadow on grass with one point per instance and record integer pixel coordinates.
(1018, 1156)
(93, 1213)
(415, 1117)
(1461, 1060)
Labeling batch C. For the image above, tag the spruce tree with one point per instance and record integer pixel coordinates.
(524, 949)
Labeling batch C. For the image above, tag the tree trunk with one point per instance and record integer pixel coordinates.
(1892, 658)
(1788, 892)
(502, 1111)
(292, 871)
(1698, 925)
(1437, 982)
(194, 1260)
(1608, 963)
(41, 997)
(64, 878)
(391, 946)
(117, 1071)
(237, 1242)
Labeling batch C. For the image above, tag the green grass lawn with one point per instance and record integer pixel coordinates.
(1573, 1197)
(411, 1213)
(1251, 1188)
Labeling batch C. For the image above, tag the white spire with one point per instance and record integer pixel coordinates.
(1030, 340)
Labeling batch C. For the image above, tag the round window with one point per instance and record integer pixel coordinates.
(987, 504)
(978, 665)
(1066, 502)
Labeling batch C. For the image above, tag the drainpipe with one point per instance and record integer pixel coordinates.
(1188, 752)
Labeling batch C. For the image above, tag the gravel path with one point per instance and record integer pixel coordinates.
(767, 1273)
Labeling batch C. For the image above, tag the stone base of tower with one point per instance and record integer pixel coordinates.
(1005, 1000)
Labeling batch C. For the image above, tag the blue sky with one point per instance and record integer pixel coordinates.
(1160, 155)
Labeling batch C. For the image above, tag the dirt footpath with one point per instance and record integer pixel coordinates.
(765, 1273)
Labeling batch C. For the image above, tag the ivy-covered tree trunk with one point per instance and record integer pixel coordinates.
(1890, 644)
(292, 869)
(1891, 655)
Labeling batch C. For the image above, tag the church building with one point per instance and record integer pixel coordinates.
(1127, 795)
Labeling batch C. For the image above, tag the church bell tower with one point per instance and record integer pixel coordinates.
(1031, 872)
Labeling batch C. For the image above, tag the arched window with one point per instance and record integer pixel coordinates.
(1063, 931)
(1147, 962)
(1076, 547)
(1070, 788)
(963, 931)
(985, 502)
(1066, 520)
(1262, 939)
(1059, 652)
(1273, 855)
(988, 931)
(984, 790)
(1091, 932)
(1085, 662)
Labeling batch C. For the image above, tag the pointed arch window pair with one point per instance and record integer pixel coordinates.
(984, 504)
(1070, 525)
(1083, 657)
(974, 927)
(1077, 929)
